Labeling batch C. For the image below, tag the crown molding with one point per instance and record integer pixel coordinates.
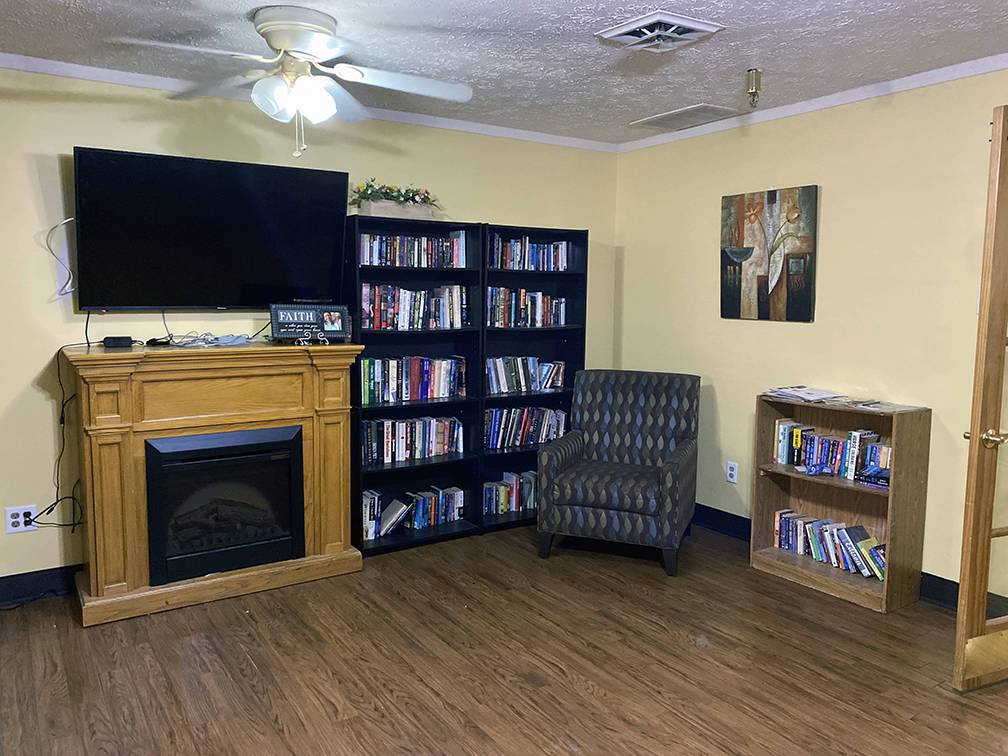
(471, 127)
(867, 92)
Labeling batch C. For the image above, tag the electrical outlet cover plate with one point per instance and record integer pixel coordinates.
(732, 472)
(15, 518)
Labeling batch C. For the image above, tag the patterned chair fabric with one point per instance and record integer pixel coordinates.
(627, 469)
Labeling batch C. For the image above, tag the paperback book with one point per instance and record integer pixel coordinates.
(385, 441)
(515, 492)
(522, 426)
(517, 375)
(386, 307)
(519, 308)
(521, 254)
(414, 251)
(846, 547)
(411, 379)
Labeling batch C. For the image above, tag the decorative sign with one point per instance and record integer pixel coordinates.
(310, 323)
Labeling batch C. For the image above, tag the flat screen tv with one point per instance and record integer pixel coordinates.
(157, 233)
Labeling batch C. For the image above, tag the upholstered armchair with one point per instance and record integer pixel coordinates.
(626, 471)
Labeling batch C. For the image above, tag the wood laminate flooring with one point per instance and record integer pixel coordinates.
(479, 647)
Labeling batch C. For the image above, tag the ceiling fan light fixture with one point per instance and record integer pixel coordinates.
(272, 95)
(310, 98)
(349, 73)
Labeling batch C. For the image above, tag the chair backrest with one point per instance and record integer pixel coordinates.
(634, 417)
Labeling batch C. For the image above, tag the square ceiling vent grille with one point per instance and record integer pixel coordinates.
(686, 118)
(659, 31)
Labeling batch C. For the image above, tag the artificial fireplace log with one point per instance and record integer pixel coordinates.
(222, 516)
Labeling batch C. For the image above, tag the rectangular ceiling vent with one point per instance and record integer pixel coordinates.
(686, 118)
(659, 31)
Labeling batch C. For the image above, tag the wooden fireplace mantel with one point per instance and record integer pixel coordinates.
(130, 395)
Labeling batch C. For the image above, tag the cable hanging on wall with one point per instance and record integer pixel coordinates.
(67, 287)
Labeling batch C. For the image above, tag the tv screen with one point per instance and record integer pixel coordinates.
(158, 232)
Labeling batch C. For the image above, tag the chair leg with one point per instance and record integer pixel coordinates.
(671, 561)
(545, 542)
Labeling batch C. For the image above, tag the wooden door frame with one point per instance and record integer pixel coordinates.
(981, 651)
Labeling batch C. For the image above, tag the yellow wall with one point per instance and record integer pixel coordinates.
(903, 183)
(902, 191)
(477, 178)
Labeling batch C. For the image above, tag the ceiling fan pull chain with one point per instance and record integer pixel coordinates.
(304, 145)
(297, 141)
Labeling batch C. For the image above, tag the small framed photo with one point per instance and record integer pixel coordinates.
(310, 323)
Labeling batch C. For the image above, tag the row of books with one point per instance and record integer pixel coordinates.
(385, 441)
(845, 547)
(414, 251)
(510, 375)
(419, 510)
(386, 307)
(857, 456)
(521, 254)
(410, 379)
(522, 426)
(516, 492)
(518, 308)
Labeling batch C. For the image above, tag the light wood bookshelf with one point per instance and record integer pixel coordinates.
(895, 516)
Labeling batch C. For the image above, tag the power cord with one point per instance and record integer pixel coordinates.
(68, 286)
(77, 508)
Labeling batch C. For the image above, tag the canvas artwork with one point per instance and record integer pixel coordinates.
(768, 254)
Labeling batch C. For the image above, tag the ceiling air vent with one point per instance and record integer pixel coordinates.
(685, 118)
(659, 31)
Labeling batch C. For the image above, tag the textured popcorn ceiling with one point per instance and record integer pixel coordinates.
(535, 64)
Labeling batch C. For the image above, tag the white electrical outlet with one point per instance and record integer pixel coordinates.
(20, 519)
(731, 474)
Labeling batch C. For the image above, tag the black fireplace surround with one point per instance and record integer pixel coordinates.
(224, 501)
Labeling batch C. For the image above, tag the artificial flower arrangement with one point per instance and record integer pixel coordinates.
(371, 191)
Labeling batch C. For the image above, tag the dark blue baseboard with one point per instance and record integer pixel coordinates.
(30, 586)
(934, 590)
(726, 523)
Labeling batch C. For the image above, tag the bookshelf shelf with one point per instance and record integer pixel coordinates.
(544, 273)
(418, 404)
(511, 450)
(475, 342)
(894, 516)
(522, 329)
(824, 480)
(405, 538)
(527, 396)
(805, 570)
(413, 464)
(447, 332)
(493, 522)
(367, 271)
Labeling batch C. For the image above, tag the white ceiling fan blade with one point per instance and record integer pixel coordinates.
(192, 48)
(347, 107)
(442, 90)
(215, 87)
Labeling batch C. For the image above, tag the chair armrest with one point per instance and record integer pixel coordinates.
(555, 458)
(679, 489)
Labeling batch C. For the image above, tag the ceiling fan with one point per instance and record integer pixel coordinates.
(303, 80)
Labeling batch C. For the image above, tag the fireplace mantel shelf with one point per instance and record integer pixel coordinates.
(128, 396)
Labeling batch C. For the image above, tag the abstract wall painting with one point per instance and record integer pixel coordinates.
(768, 254)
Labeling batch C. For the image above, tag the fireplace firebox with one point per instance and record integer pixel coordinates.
(223, 501)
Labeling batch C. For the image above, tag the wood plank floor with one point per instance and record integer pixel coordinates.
(479, 647)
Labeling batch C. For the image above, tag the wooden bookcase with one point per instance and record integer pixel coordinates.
(895, 516)
(475, 465)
